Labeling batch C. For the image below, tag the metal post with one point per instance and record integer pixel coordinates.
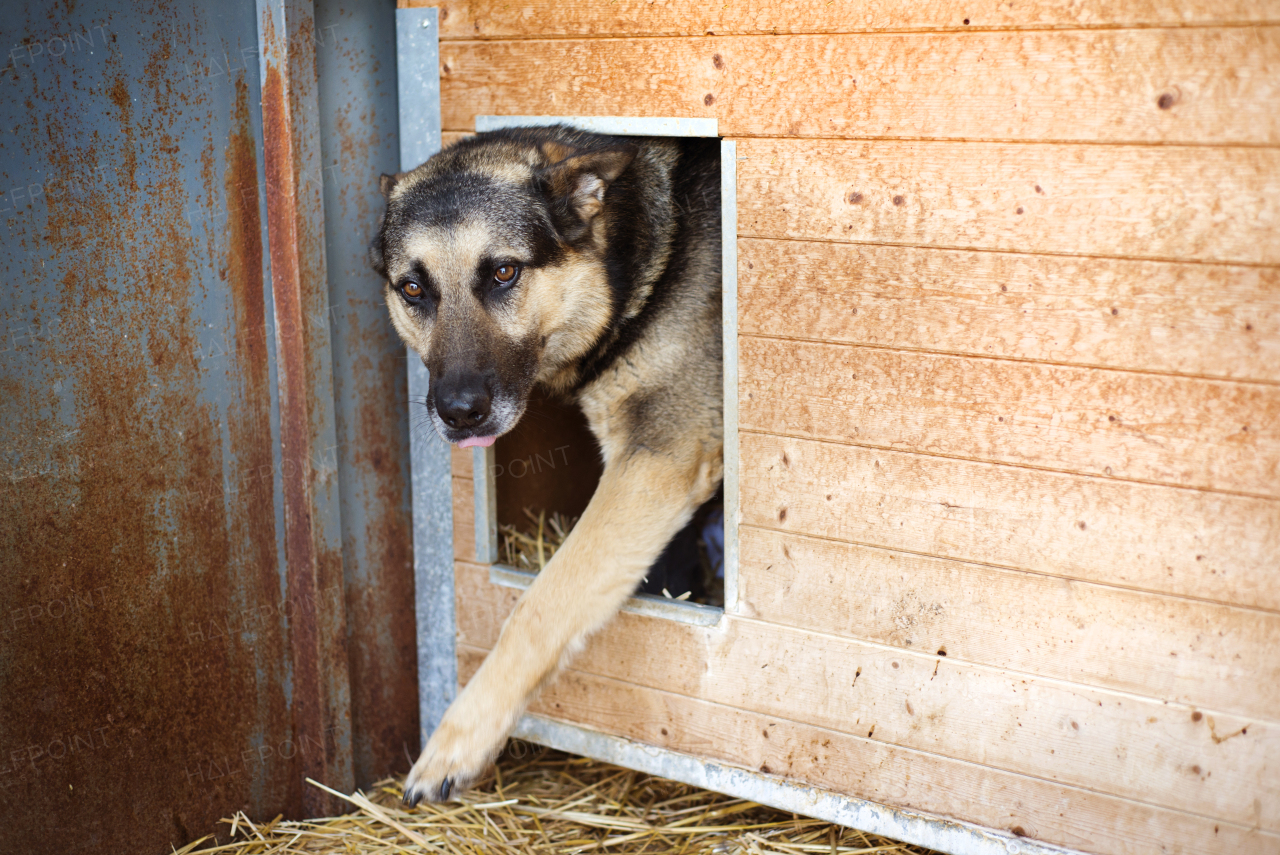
(418, 73)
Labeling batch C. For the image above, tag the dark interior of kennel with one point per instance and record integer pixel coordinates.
(550, 463)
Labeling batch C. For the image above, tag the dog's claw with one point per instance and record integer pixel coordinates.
(414, 793)
(457, 754)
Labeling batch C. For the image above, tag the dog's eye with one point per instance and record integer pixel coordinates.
(506, 274)
(412, 290)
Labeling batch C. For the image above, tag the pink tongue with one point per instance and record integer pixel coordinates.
(479, 441)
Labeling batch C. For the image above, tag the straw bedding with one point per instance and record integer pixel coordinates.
(537, 800)
(530, 548)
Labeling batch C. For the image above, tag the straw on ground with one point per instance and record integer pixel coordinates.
(542, 801)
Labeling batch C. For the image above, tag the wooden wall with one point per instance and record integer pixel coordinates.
(1010, 402)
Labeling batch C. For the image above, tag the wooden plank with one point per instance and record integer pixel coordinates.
(464, 519)
(889, 775)
(1164, 754)
(475, 19)
(1209, 320)
(1163, 202)
(1185, 651)
(459, 462)
(1161, 539)
(1209, 434)
(1148, 85)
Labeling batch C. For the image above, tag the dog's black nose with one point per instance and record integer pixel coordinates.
(463, 404)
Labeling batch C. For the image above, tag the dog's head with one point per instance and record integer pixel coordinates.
(494, 259)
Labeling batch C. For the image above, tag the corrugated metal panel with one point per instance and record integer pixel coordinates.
(355, 56)
(312, 527)
(174, 638)
(145, 676)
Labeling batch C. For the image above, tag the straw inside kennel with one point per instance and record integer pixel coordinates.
(531, 545)
(540, 800)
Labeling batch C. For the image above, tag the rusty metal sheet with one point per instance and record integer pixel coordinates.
(312, 526)
(355, 58)
(144, 668)
(171, 649)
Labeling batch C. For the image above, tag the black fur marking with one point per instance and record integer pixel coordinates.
(631, 240)
(649, 422)
(448, 200)
(518, 212)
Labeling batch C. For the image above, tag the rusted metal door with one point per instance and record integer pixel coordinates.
(205, 574)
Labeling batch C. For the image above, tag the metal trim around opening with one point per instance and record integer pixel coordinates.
(621, 126)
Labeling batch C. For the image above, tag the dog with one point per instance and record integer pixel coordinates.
(584, 266)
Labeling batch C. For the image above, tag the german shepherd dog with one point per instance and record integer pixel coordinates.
(588, 266)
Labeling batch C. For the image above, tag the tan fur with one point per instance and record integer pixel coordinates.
(568, 307)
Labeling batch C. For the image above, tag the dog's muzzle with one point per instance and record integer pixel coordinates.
(464, 402)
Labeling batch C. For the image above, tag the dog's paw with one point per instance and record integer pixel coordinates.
(456, 755)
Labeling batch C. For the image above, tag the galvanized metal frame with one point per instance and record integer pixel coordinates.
(932, 832)
(418, 73)
(483, 463)
(633, 126)
(729, 327)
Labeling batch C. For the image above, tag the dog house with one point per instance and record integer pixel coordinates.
(1002, 337)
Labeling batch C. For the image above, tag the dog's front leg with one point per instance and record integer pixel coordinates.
(641, 503)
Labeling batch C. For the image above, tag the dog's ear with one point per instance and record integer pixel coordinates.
(576, 184)
(376, 259)
(377, 252)
(387, 183)
(555, 152)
